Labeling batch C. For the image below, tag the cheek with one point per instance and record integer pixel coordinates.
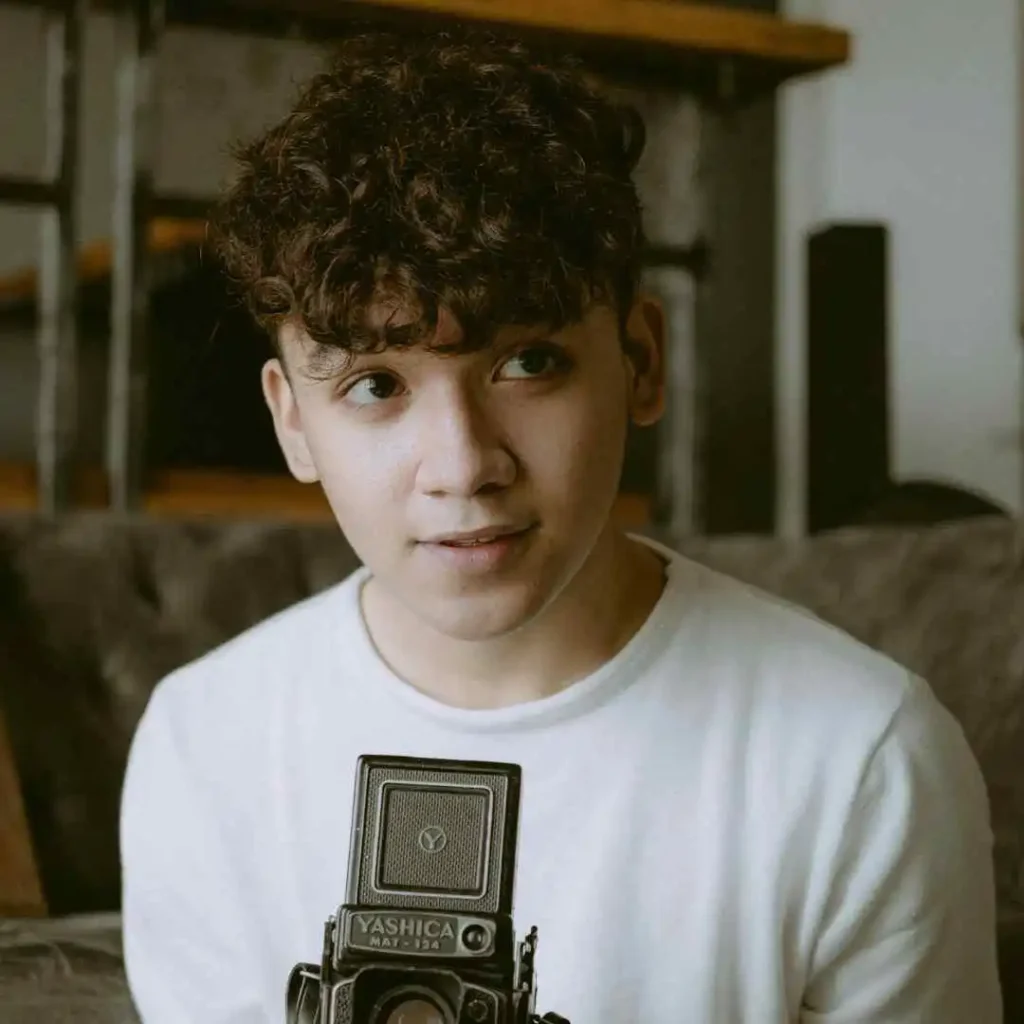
(583, 447)
(360, 472)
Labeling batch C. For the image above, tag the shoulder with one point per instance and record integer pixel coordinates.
(844, 733)
(785, 649)
(808, 690)
(262, 667)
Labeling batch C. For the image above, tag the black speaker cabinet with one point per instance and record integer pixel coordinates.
(847, 372)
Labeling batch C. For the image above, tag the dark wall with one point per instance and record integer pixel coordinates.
(736, 312)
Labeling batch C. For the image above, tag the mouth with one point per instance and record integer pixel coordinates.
(479, 538)
(484, 552)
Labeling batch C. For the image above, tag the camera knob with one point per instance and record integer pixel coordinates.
(477, 1010)
(475, 938)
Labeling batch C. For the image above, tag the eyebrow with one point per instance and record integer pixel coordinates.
(328, 362)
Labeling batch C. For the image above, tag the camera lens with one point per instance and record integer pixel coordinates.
(416, 1011)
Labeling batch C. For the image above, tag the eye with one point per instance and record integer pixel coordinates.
(540, 360)
(371, 389)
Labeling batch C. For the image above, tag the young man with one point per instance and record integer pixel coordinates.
(731, 811)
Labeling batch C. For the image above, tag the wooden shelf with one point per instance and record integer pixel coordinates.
(95, 261)
(690, 37)
(188, 494)
(686, 30)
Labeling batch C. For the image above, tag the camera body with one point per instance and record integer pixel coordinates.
(359, 984)
(425, 935)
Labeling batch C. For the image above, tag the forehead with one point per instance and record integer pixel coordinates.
(448, 337)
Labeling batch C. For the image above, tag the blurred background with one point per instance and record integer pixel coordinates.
(861, 184)
(832, 200)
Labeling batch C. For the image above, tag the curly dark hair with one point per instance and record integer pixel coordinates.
(460, 169)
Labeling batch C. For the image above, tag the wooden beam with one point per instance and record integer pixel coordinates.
(172, 234)
(94, 263)
(687, 29)
(19, 491)
(690, 28)
(183, 493)
(21, 890)
(180, 493)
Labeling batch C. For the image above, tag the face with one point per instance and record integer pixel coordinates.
(526, 436)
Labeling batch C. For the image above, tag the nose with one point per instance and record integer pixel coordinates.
(462, 450)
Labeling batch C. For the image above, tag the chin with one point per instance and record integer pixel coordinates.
(476, 617)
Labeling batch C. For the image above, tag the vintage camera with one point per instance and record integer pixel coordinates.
(425, 934)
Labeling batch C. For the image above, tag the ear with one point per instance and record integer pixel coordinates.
(280, 399)
(645, 349)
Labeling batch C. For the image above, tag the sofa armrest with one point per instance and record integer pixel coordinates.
(21, 890)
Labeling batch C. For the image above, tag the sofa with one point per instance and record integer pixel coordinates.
(94, 609)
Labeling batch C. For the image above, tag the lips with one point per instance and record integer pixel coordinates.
(471, 538)
(478, 542)
(481, 554)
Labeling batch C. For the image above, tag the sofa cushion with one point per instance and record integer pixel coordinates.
(95, 610)
(64, 971)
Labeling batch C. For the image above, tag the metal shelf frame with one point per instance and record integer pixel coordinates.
(54, 193)
(140, 24)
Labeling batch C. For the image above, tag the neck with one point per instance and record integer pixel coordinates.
(601, 610)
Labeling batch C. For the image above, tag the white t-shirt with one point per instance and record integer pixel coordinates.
(745, 817)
